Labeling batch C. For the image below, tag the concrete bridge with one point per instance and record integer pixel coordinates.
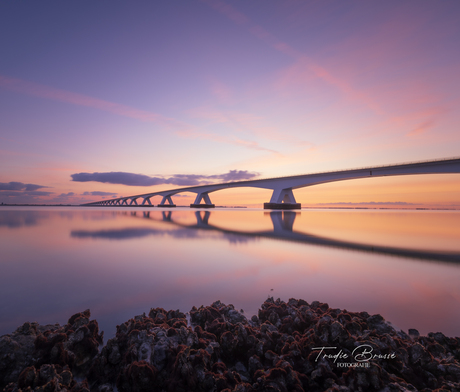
(282, 187)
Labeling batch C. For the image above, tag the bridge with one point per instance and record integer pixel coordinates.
(282, 187)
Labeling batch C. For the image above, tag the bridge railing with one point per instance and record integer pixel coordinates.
(357, 168)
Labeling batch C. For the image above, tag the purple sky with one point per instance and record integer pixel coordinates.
(180, 91)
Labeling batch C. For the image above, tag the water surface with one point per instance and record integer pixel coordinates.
(120, 262)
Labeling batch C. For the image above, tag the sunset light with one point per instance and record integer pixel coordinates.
(183, 89)
(229, 195)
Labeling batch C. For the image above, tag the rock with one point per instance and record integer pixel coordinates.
(74, 345)
(138, 376)
(378, 323)
(278, 350)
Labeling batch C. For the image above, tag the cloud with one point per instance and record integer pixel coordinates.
(19, 186)
(28, 193)
(63, 198)
(235, 175)
(227, 140)
(421, 128)
(133, 179)
(258, 31)
(309, 67)
(98, 193)
(42, 91)
(246, 122)
(20, 193)
(180, 128)
(221, 91)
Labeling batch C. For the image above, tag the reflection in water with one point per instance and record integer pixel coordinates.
(14, 219)
(120, 262)
(282, 221)
(118, 234)
(20, 217)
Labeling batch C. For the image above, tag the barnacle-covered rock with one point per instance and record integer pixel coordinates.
(289, 346)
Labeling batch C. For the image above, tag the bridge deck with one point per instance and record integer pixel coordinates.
(282, 187)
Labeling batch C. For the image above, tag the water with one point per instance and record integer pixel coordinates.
(120, 262)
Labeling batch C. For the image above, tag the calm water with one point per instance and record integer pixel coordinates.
(120, 262)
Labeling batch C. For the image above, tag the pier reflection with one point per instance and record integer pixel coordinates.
(282, 229)
(120, 262)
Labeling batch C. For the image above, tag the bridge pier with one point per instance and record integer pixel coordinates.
(282, 199)
(133, 201)
(282, 206)
(166, 199)
(147, 201)
(202, 196)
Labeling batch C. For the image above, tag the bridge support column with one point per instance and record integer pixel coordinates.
(147, 201)
(133, 201)
(202, 196)
(282, 199)
(166, 199)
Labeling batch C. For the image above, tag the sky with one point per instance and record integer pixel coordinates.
(109, 98)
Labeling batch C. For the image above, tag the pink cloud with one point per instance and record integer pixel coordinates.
(179, 128)
(308, 65)
(421, 128)
(246, 122)
(227, 140)
(258, 31)
(42, 91)
(221, 91)
(241, 120)
(406, 103)
(426, 119)
(393, 67)
(301, 76)
(227, 10)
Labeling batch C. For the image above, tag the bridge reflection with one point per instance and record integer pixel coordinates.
(283, 229)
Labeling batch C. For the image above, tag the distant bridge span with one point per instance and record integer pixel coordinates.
(282, 196)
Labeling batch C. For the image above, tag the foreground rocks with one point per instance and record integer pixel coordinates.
(293, 346)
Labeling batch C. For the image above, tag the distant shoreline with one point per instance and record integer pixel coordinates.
(304, 208)
(39, 205)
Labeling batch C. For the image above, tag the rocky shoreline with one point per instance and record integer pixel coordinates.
(289, 346)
